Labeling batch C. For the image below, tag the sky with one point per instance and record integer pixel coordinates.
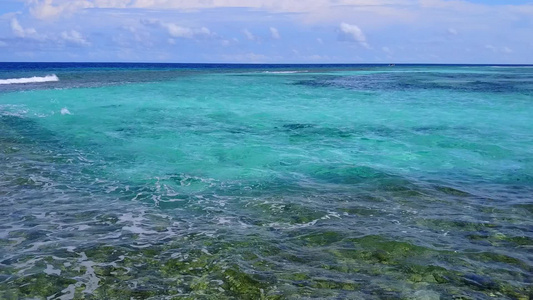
(268, 31)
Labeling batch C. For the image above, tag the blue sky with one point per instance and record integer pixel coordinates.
(268, 31)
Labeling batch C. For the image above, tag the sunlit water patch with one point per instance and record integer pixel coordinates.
(253, 182)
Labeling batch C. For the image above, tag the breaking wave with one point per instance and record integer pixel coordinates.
(34, 79)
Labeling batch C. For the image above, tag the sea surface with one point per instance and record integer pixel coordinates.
(191, 181)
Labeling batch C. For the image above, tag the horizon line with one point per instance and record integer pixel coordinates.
(263, 63)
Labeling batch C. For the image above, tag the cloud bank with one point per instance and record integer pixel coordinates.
(453, 31)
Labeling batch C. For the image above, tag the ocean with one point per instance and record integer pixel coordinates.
(212, 181)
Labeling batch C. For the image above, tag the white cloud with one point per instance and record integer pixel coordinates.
(491, 48)
(309, 10)
(274, 33)
(70, 36)
(185, 32)
(8, 16)
(50, 9)
(370, 13)
(316, 57)
(112, 3)
(250, 57)
(271, 5)
(178, 31)
(74, 37)
(315, 10)
(19, 31)
(132, 36)
(353, 33)
(448, 26)
(250, 36)
(495, 49)
(229, 42)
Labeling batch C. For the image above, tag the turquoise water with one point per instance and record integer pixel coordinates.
(275, 182)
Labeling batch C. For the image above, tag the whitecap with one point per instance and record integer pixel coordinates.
(35, 79)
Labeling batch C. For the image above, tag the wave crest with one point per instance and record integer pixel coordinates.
(34, 79)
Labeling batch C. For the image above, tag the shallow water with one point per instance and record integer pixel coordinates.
(289, 182)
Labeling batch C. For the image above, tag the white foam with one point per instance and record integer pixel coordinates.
(283, 72)
(90, 279)
(34, 79)
(65, 111)
(12, 110)
(51, 271)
